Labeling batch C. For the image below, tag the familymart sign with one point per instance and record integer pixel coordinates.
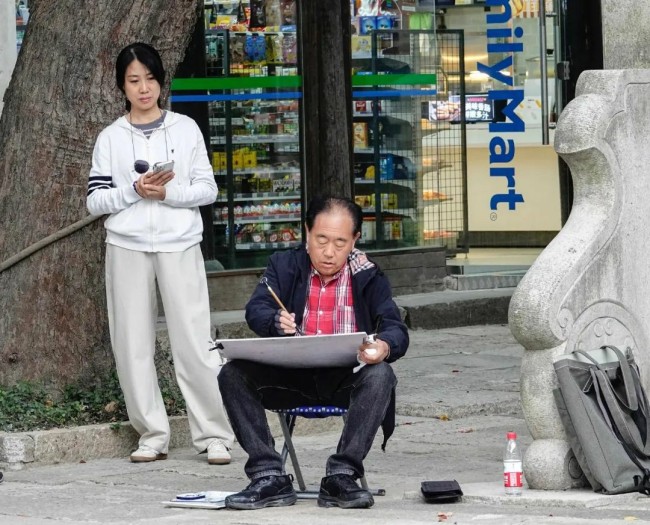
(502, 39)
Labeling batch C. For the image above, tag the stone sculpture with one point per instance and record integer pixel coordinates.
(591, 285)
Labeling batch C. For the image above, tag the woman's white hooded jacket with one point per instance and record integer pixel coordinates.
(146, 225)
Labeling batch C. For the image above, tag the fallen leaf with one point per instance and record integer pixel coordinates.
(455, 371)
(443, 516)
(443, 417)
(111, 407)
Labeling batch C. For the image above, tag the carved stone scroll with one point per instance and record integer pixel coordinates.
(591, 285)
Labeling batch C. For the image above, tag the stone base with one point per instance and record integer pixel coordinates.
(549, 464)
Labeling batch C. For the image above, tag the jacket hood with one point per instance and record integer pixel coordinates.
(171, 118)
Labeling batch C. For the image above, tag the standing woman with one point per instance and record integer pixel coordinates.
(153, 235)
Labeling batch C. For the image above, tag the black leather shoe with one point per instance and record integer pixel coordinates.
(340, 490)
(268, 491)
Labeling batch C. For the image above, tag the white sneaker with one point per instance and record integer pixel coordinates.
(218, 453)
(144, 454)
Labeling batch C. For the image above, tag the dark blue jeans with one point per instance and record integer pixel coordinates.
(248, 388)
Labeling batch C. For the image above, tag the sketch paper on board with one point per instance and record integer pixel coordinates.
(311, 351)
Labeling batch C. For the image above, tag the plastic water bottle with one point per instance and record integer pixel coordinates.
(512, 466)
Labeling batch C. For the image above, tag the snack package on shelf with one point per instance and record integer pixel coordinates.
(282, 185)
(250, 158)
(388, 201)
(218, 161)
(273, 14)
(367, 24)
(393, 229)
(258, 16)
(360, 134)
(288, 12)
(238, 159)
(274, 48)
(290, 48)
(237, 48)
(255, 48)
(366, 106)
(361, 46)
(363, 200)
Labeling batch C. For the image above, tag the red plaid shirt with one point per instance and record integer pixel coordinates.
(329, 306)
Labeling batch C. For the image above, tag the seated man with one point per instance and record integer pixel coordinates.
(330, 287)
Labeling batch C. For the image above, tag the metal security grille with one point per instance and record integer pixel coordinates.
(444, 196)
(409, 139)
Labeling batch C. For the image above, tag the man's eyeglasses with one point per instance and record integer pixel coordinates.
(141, 166)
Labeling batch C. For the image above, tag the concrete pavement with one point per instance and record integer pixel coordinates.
(458, 394)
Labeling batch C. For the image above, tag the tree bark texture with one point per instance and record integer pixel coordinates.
(53, 321)
(327, 96)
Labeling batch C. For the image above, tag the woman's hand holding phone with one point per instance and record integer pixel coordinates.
(151, 185)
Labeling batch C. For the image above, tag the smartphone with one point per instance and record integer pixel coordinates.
(166, 165)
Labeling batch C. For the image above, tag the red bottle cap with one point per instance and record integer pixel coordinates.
(511, 435)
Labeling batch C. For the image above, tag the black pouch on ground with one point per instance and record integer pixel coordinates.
(441, 491)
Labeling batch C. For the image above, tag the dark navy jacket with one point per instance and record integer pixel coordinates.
(288, 275)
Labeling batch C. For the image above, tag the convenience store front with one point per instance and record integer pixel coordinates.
(453, 151)
(253, 94)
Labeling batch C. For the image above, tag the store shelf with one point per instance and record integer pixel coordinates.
(441, 166)
(264, 196)
(261, 170)
(261, 150)
(286, 117)
(386, 184)
(280, 32)
(257, 219)
(256, 139)
(384, 150)
(399, 212)
(266, 245)
(382, 64)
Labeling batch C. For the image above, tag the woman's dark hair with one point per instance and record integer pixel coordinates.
(326, 203)
(146, 55)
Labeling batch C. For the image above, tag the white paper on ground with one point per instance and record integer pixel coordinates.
(211, 499)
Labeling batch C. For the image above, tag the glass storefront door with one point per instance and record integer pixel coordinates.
(511, 55)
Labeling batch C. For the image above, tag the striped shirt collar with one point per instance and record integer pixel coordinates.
(358, 261)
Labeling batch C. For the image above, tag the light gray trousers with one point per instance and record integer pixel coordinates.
(132, 314)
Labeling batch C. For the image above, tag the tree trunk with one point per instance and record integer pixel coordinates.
(53, 321)
(327, 96)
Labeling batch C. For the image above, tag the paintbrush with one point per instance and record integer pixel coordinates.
(265, 282)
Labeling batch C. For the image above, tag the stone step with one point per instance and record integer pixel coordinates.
(485, 281)
(432, 310)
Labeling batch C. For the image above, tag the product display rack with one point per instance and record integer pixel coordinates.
(409, 171)
(254, 137)
(387, 158)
